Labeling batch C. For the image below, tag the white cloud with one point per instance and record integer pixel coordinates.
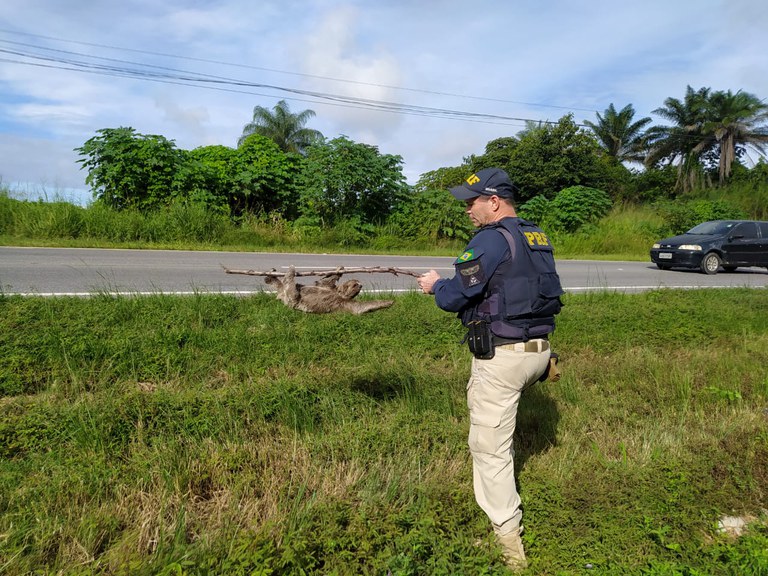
(333, 49)
(191, 121)
(40, 162)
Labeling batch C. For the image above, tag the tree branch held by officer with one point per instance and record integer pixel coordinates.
(506, 291)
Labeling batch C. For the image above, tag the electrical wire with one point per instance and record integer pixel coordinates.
(169, 75)
(300, 74)
(67, 60)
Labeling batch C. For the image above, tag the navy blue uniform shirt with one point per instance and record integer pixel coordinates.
(474, 268)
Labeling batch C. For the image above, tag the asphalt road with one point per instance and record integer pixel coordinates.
(84, 271)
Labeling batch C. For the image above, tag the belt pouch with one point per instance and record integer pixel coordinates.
(552, 373)
(480, 339)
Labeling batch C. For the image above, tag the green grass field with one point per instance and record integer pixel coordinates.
(212, 434)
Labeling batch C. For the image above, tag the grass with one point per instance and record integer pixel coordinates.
(625, 234)
(220, 435)
(61, 224)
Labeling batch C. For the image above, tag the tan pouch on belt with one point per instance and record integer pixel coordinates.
(553, 372)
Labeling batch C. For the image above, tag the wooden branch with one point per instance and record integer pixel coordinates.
(341, 270)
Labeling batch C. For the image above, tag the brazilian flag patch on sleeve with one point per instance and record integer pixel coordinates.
(466, 257)
(470, 268)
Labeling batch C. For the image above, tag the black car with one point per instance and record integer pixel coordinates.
(726, 243)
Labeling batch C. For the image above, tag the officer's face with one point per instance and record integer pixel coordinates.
(480, 210)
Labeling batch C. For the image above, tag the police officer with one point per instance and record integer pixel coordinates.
(506, 291)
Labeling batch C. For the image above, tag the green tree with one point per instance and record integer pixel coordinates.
(344, 179)
(263, 178)
(576, 206)
(283, 127)
(683, 142)
(431, 214)
(429, 211)
(532, 126)
(442, 178)
(131, 170)
(651, 185)
(735, 121)
(209, 176)
(570, 210)
(621, 138)
(497, 154)
(256, 177)
(556, 156)
(707, 124)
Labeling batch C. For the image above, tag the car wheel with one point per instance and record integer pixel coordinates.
(663, 266)
(729, 268)
(710, 263)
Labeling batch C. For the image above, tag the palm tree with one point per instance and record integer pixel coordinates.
(533, 126)
(285, 128)
(622, 139)
(735, 121)
(721, 124)
(685, 141)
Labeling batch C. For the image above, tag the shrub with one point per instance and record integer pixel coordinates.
(6, 211)
(579, 205)
(349, 232)
(535, 210)
(654, 185)
(432, 214)
(681, 216)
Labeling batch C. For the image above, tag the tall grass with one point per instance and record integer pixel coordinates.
(219, 435)
(191, 227)
(626, 233)
(751, 198)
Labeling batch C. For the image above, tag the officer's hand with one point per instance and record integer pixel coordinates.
(427, 281)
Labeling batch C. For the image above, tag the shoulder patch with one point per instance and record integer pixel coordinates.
(471, 273)
(466, 256)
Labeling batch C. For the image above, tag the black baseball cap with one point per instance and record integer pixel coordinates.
(486, 182)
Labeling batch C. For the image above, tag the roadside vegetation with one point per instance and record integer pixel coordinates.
(606, 188)
(625, 232)
(212, 434)
(221, 435)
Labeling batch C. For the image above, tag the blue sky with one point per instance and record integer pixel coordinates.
(512, 59)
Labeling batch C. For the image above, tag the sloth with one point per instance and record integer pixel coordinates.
(325, 296)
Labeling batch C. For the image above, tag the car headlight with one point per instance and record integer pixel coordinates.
(657, 245)
(690, 247)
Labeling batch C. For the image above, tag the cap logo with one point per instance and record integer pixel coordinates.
(473, 179)
(490, 189)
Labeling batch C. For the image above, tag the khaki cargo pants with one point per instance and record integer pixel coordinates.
(493, 394)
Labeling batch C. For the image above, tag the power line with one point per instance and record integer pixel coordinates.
(171, 75)
(231, 90)
(300, 74)
(166, 75)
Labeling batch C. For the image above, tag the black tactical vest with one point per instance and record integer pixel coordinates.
(523, 295)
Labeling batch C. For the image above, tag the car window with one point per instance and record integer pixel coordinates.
(746, 229)
(715, 227)
(763, 228)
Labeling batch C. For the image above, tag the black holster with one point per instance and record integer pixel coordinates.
(480, 339)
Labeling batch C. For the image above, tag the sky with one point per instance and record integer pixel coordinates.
(452, 75)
